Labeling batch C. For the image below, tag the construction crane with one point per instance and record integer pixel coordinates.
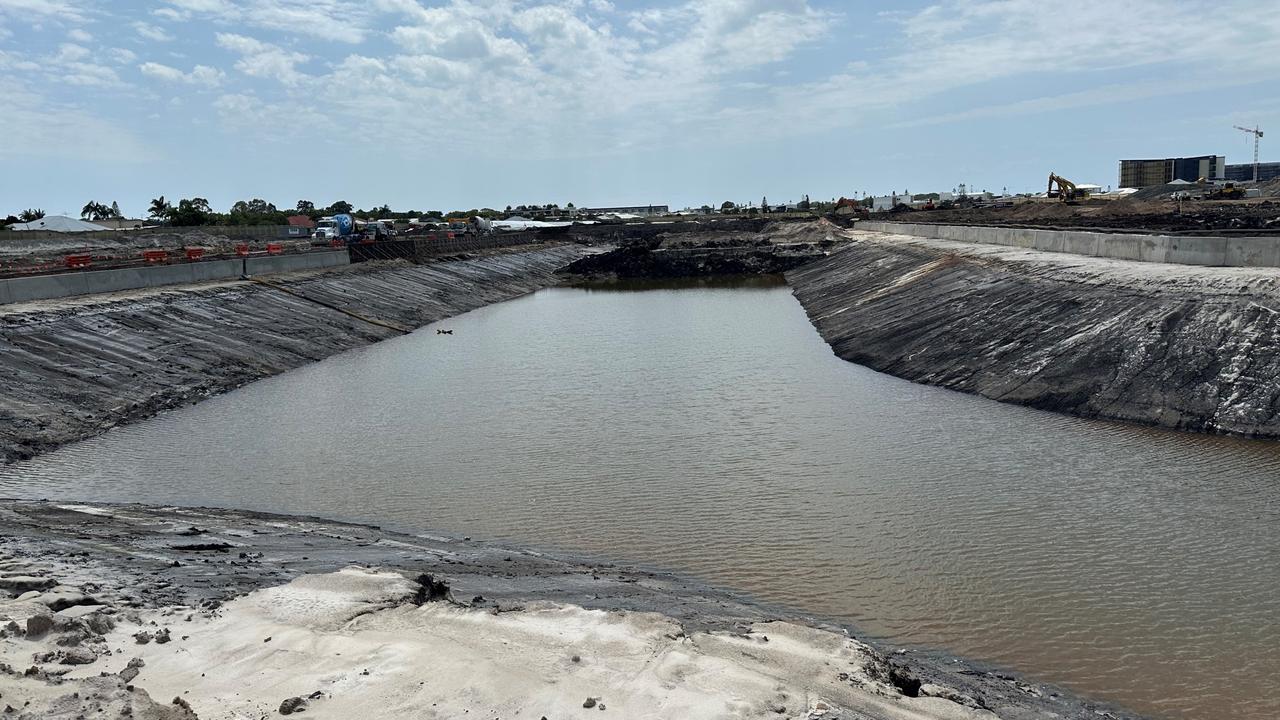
(1257, 135)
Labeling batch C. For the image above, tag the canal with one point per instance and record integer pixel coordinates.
(707, 429)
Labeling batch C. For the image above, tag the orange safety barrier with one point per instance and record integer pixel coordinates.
(79, 261)
(195, 253)
(274, 248)
(242, 249)
(155, 256)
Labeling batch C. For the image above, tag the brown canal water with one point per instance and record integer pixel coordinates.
(709, 430)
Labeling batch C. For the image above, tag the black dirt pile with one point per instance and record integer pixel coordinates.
(774, 248)
(1152, 215)
(699, 262)
(620, 233)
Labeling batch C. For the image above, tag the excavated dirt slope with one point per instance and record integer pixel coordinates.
(75, 367)
(1134, 215)
(1171, 345)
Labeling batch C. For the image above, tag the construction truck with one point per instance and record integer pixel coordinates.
(480, 226)
(1066, 191)
(336, 227)
(344, 228)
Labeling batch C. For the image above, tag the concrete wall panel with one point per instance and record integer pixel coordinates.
(1210, 251)
(1252, 252)
(1182, 250)
(1081, 243)
(44, 287)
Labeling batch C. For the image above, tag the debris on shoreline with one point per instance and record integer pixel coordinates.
(331, 619)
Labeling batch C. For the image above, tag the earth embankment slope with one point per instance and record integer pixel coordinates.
(75, 367)
(1176, 346)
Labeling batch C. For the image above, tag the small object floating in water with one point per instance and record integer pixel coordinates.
(444, 332)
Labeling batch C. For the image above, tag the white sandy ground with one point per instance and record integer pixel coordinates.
(356, 638)
(1069, 268)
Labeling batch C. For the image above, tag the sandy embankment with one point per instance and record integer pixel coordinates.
(1178, 346)
(354, 640)
(130, 611)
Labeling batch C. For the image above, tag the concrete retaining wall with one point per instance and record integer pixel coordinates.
(246, 232)
(1181, 250)
(44, 287)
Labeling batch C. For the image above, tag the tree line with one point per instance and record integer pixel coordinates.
(196, 211)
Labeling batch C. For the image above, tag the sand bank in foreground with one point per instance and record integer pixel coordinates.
(169, 613)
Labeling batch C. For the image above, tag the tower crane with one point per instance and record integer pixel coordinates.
(1257, 135)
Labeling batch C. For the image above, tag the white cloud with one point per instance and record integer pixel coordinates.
(205, 75)
(89, 75)
(151, 32)
(199, 75)
(727, 35)
(71, 65)
(532, 75)
(261, 59)
(220, 7)
(333, 20)
(999, 38)
(955, 44)
(70, 52)
(164, 72)
(325, 19)
(121, 56)
(40, 130)
(79, 35)
(36, 9)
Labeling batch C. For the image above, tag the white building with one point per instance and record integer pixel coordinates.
(58, 223)
(886, 202)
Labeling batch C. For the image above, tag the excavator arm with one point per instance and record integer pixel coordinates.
(1066, 189)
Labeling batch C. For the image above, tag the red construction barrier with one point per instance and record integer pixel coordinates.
(275, 249)
(155, 256)
(195, 253)
(242, 249)
(79, 261)
(337, 243)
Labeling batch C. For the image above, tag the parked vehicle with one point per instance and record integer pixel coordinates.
(334, 227)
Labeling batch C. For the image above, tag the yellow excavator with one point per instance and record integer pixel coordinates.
(1229, 191)
(1066, 192)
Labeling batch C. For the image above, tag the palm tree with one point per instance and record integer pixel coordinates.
(160, 208)
(31, 215)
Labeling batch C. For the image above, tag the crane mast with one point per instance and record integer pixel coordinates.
(1257, 135)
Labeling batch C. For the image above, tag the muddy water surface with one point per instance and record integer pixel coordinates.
(710, 430)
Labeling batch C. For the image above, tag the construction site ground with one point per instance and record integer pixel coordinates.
(1255, 216)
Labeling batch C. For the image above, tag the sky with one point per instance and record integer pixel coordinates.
(437, 104)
